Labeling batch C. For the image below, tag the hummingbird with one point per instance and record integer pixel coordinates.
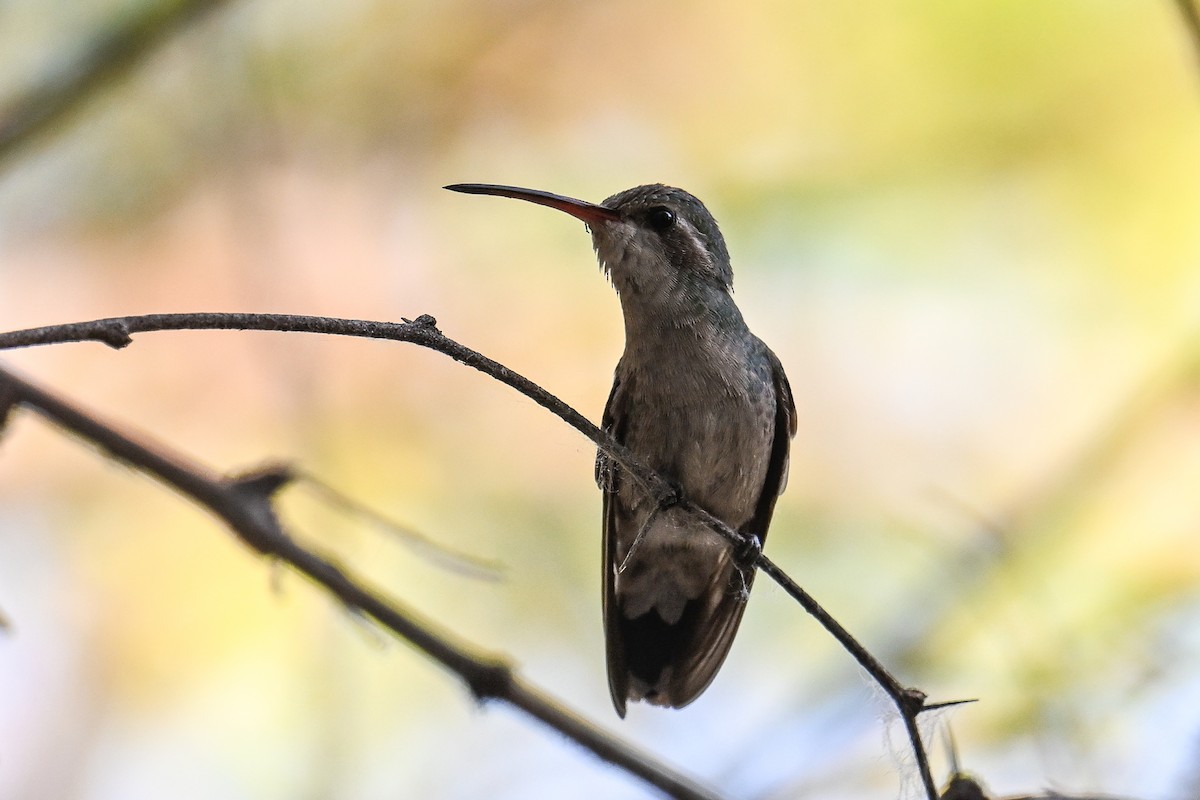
(701, 400)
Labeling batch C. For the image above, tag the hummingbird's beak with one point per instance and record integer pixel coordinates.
(581, 209)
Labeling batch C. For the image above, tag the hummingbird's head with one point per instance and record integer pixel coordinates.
(664, 241)
(659, 246)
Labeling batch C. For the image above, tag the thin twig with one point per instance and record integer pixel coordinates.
(423, 331)
(457, 561)
(244, 504)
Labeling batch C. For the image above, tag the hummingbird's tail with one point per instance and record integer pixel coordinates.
(670, 664)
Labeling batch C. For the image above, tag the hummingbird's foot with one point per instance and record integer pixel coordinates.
(747, 552)
(669, 496)
(606, 472)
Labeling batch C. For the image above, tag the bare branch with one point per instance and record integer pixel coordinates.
(423, 331)
(244, 504)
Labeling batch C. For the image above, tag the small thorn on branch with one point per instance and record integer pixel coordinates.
(265, 480)
(425, 321)
(948, 704)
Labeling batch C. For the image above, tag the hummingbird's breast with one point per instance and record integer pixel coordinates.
(703, 414)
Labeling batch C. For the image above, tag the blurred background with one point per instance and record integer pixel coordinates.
(968, 230)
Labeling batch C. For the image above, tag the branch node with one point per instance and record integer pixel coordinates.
(489, 680)
(911, 702)
(248, 509)
(114, 333)
(426, 321)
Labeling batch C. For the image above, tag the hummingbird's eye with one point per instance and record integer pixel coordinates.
(660, 218)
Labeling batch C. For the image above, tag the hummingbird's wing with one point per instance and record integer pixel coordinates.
(607, 478)
(777, 467)
(698, 643)
(713, 619)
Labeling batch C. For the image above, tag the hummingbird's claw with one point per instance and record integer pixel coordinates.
(606, 472)
(747, 553)
(671, 495)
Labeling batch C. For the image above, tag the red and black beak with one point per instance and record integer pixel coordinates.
(590, 213)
